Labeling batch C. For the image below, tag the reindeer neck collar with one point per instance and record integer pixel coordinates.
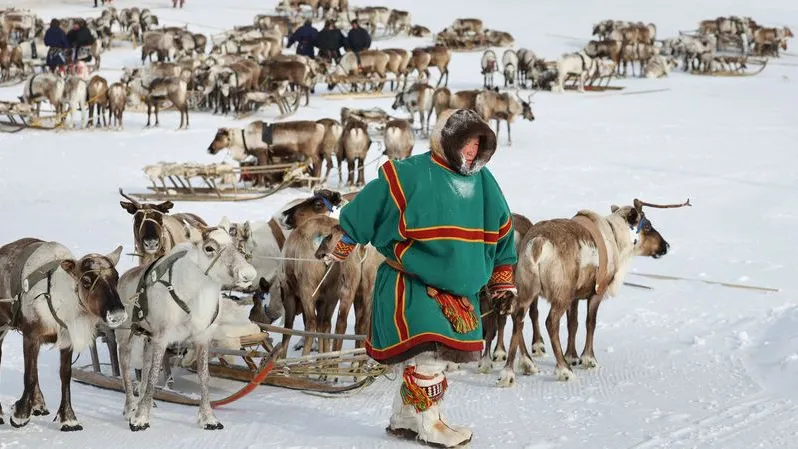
(635, 230)
(244, 140)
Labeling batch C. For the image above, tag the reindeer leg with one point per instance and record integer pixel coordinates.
(20, 413)
(149, 111)
(538, 347)
(69, 422)
(573, 325)
(2, 337)
(361, 177)
(309, 319)
(509, 137)
(507, 377)
(500, 353)
(157, 107)
(127, 382)
(39, 408)
(207, 420)
(562, 371)
(485, 365)
(141, 418)
(289, 304)
(588, 359)
(350, 167)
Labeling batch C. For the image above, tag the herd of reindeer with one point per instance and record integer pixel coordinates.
(281, 257)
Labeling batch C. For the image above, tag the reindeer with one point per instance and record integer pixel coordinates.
(398, 21)
(262, 242)
(178, 299)
(117, 100)
(417, 99)
(159, 90)
(353, 146)
(57, 299)
(371, 62)
(44, 86)
(98, 98)
(295, 140)
(160, 43)
(492, 105)
(436, 56)
(398, 59)
(156, 232)
(419, 31)
(578, 64)
(444, 99)
(565, 260)
(462, 26)
(526, 61)
(10, 56)
(75, 97)
(297, 73)
(301, 274)
(489, 65)
(510, 66)
(332, 134)
(399, 139)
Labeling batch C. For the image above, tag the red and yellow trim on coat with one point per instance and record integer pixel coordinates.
(399, 317)
(437, 160)
(473, 235)
(502, 276)
(427, 337)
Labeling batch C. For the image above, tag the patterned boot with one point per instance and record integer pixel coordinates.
(417, 406)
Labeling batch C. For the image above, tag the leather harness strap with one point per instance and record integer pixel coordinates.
(279, 237)
(602, 281)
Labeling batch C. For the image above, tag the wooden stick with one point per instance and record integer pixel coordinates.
(725, 284)
(282, 330)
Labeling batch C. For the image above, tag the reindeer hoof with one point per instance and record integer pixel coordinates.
(499, 356)
(217, 426)
(563, 373)
(538, 349)
(588, 361)
(137, 427)
(572, 360)
(71, 426)
(16, 423)
(485, 366)
(41, 411)
(528, 367)
(506, 379)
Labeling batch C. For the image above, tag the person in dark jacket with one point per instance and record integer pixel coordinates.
(80, 39)
(56, 39)
(329, 42)
(305, 36)
(358, 40)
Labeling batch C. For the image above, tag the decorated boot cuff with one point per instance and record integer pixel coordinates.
(343, 249)
(421, 397)
(502, 279)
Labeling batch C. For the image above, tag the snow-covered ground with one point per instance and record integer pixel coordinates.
(687, 364)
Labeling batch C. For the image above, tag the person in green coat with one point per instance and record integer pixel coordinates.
(442, 223)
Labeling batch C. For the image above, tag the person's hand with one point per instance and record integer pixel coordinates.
(332, 257)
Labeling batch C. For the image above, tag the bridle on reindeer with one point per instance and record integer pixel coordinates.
(146, 218)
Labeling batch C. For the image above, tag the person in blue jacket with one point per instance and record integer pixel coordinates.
(56, 39)
(304, 36)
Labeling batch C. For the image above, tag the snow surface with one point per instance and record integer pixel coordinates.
(686, 364)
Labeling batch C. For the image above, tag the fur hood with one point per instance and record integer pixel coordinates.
(452, 130)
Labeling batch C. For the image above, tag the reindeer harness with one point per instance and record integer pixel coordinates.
(153, 275)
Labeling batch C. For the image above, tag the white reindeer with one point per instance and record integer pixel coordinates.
(579, 64)
(510, 65)
(489, 65)
(194, 273)
(76, 98)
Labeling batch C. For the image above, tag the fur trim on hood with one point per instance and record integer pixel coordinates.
(453, 128)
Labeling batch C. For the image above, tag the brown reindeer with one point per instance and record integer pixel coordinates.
(296, 73)
(156, 232)
(419, 31)
(295, 140)
(444, 99)
(300, 277)
(98, 98)
(565, 260)
(10, 56)
(494, 319)
(332, 134)
(157, 90)
(398, 59)
(117, 100)
(399, 139)
(353, 146)
(436, 56)
(492, 105)
(372, 62)
(58, 299)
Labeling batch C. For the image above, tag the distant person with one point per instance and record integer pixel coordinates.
(56, 39)
(329, 42)
(305, 36)
(80, 40)
(358, 40)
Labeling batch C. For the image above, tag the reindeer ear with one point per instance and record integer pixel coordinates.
(114, 255)
(264, 285)
(69, 266)
(224, 224)
(632, 217)
(614, 208)
(164, 207)
(129, 207)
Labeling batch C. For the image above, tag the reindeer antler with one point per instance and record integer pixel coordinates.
(639, 205)
(135, 203)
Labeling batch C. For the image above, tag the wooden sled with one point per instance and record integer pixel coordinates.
(261, 366)
(594, 88)
(762, 63)
(16, 116)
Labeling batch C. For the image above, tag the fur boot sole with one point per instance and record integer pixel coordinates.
(407, 434)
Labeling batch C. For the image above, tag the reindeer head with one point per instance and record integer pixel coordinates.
(647, 241)
(147, 223)
(399, 101)
(329, 241)
(219, 257)
(96, 278)
(323, 202)
(222, 140)
(526, 106)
